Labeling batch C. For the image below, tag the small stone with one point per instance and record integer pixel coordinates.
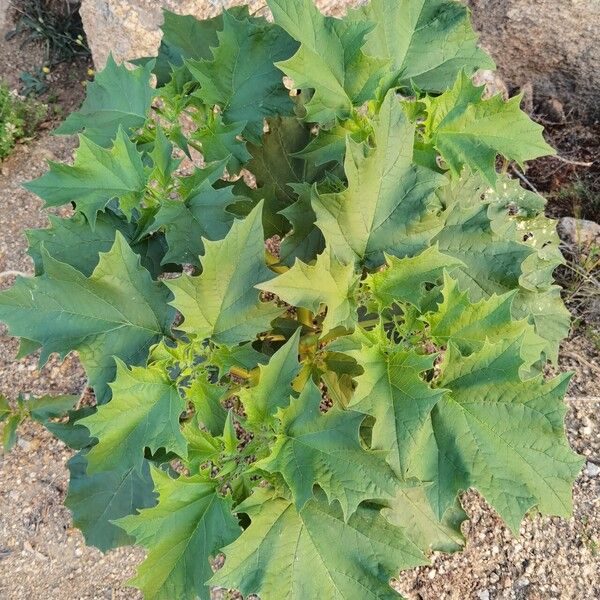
(483, 595)
(522, 582)
(432, 574)
(592, 470)
(579, 232)
(555, 110)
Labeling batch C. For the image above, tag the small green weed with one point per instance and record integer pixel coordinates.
(19, 118)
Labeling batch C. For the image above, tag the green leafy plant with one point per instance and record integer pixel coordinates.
(19, 118)
(312, 315)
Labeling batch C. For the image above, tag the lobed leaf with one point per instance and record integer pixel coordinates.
(117, 311)
(290, 554)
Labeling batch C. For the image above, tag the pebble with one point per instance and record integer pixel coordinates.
(592, 470)
(483, 595)
(523, 582)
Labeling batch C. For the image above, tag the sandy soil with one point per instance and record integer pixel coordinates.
(43, 558)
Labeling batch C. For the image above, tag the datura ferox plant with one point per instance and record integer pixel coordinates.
(312, 306)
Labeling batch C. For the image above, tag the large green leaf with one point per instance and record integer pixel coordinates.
(220, 141)
(184, 36)
(305, 241)
(97, 177)
(411, 511)
(278, 172)
(393, 391)
(65, 234)
(119, 97)
(428, 42)
(182, 532)
(389, 205)
(117, 311)
(312, 448)
(97, 500)
(286, 555)
(202, 215)
(467, 130)
(468, 325)
(404, 279)
(274, 386)
(492, 263)
(499, 434)
(223, 303)
(241, 78)
(502, 251)
(330, 59)
(143, 413)
(328, 283)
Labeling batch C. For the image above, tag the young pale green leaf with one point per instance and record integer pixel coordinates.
(97, 177)
(499, 434)
(223, 303)
(469, 131)
(468, 325)
(244, 356)
(428, 42)
(9, 431)
(229, 437)
(286, 555)
(393, 392)
(206, 398)
(118, 97)
(312, 448)
(117, 311)
(328, 283)
(389, 205)
(143, 413)
(164, 164)
(97, 500)
(405, 278)
(242, 78)
(330, 59)
(201, 446)
(182, 532)
(274, 386)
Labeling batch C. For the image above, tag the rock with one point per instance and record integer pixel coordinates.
(592, 470)
(3, 13)
(579, 232)
(554, 110)
(130, 28)
(493, 83)
(551, 43)
(484, 595)
(527, 102)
